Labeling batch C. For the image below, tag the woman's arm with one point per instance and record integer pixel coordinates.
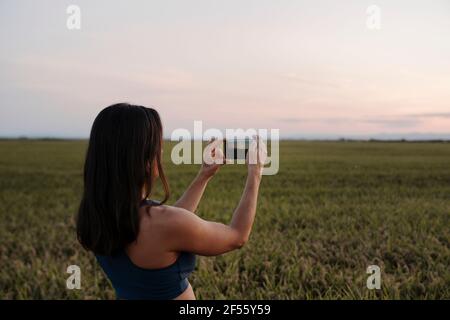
(244, 215)
(191, 197)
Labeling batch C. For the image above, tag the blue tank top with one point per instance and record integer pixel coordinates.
(133, 282)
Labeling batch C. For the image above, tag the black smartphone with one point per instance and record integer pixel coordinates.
(236, 149)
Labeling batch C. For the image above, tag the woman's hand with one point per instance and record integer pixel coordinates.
(256, 157)
(213, 159)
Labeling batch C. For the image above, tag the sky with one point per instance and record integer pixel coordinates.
(308, 68)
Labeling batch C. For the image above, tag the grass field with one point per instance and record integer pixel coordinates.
(333, 209)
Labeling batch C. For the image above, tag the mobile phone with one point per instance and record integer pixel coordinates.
(236, 149)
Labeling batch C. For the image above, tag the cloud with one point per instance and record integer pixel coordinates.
(310, 81)
(385, 122)
(394, 122)
(445, 115)
(292, 120)
(398, 121)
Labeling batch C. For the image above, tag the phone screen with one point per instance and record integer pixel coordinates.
(236, 149)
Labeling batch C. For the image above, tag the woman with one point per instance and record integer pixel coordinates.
(147, 249)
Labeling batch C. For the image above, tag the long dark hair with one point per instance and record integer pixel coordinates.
(123, 154)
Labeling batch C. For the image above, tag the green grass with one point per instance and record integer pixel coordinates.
(333, 209)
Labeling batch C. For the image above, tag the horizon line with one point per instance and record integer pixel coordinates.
(411, 137)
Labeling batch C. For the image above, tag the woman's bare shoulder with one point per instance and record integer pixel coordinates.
(162, 217)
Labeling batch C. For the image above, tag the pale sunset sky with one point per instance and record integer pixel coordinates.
(309, 68)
